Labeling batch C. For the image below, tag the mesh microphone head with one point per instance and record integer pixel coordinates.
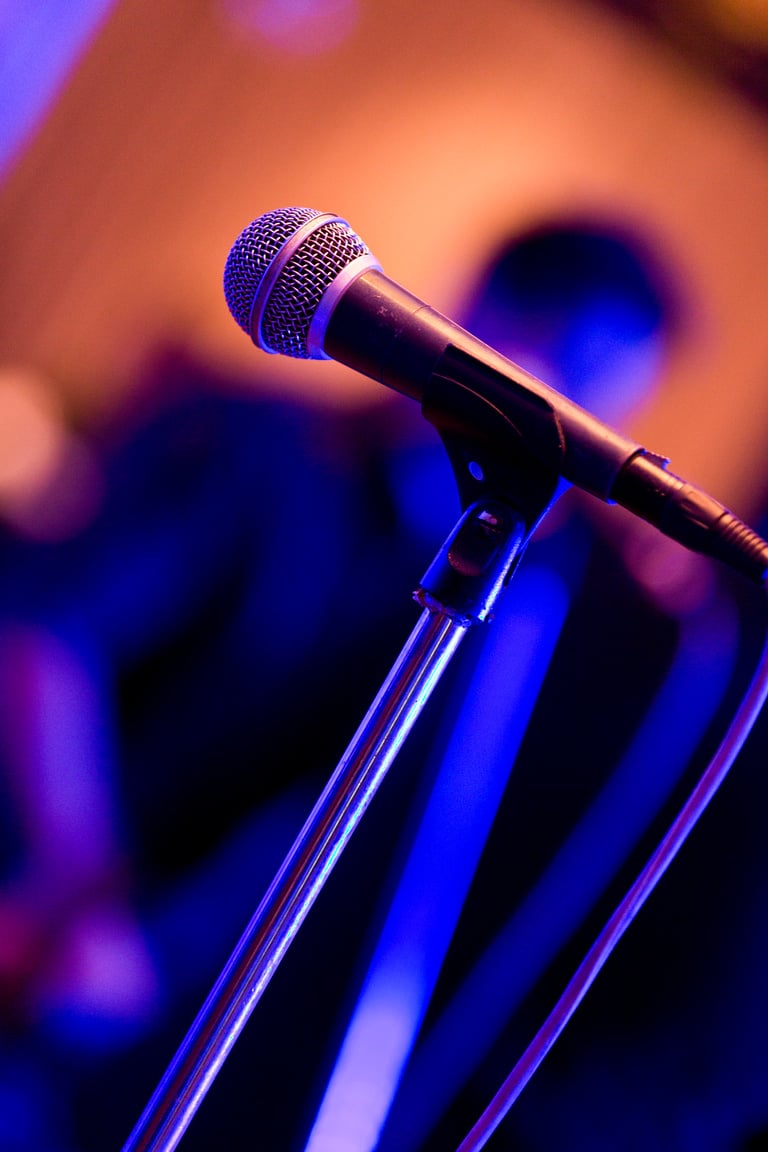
(279, 271)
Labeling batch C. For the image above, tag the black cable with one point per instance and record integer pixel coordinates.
(626, 911)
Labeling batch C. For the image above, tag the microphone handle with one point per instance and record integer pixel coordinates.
(386, 333)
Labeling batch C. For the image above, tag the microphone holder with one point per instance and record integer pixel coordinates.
(458, 591)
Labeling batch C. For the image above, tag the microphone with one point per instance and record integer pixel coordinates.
(301, 283)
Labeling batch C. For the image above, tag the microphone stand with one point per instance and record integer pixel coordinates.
(459, 590)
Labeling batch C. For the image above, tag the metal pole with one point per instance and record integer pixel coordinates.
(458, 591)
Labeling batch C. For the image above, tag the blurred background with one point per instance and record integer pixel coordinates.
(207, 557)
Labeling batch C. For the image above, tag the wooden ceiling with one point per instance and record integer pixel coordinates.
(436, 129)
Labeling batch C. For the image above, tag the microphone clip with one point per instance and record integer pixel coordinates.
(490, 458)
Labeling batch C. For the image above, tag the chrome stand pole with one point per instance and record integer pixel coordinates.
(458, 591)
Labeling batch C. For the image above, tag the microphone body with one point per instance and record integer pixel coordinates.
(303, 283)
(384, 332)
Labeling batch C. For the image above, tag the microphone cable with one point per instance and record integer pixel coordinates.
(625, 912)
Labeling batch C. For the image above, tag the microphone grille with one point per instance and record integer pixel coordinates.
(298, 287)
(253, 252)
